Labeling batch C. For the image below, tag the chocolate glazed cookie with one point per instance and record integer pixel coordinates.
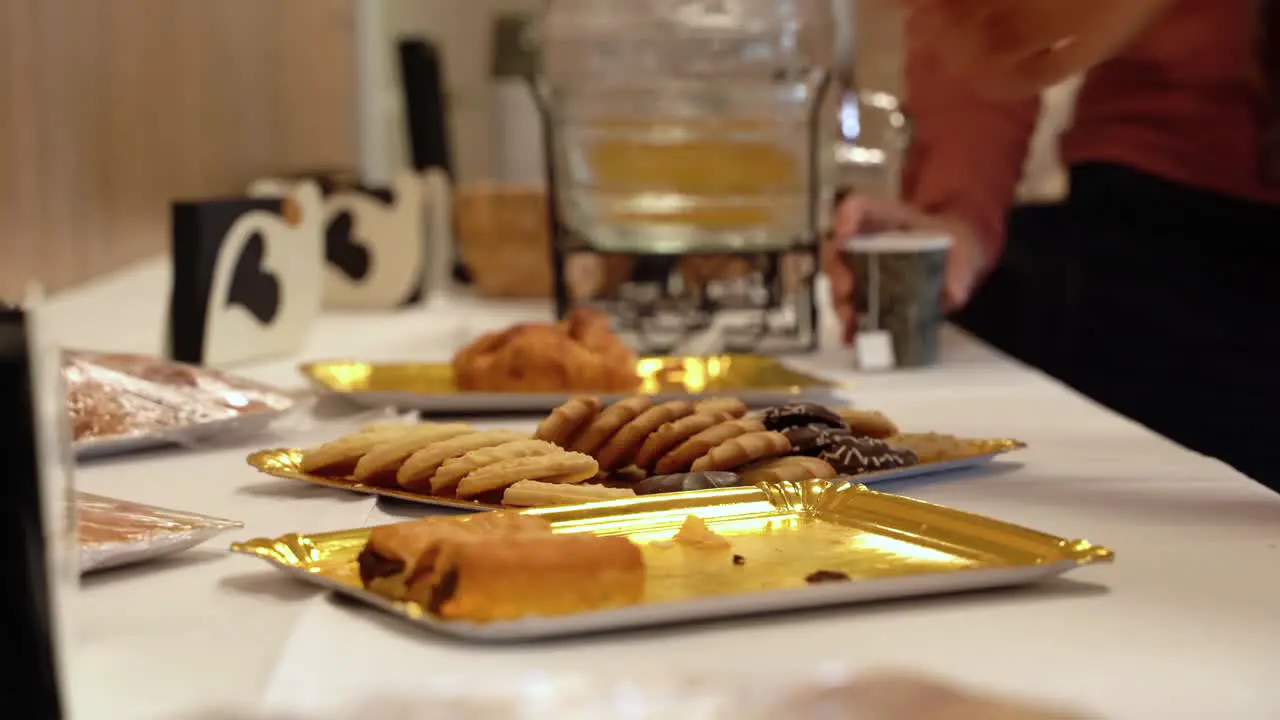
(782, 417)
(858, 455)
(813, 439)
(684, 482)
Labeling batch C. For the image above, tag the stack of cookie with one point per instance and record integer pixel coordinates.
(934, 447)
(681, 445)
(585, 452)
(457, 460)
(849, 442)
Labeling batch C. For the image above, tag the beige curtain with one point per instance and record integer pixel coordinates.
(109, 109)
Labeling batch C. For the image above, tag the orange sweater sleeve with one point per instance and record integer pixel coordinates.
(967, 152)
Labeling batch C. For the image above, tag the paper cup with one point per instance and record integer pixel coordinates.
(899, 288)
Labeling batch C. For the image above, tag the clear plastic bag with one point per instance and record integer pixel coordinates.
(117, 532)
(119, 403)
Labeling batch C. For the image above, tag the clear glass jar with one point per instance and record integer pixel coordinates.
(683, 126)
(873, 140)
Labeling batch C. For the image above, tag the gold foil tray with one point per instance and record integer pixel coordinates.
(888, 546)
(755, 379)
(286, 463)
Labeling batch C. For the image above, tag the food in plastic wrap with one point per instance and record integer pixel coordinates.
(117, 532)
(116, 398)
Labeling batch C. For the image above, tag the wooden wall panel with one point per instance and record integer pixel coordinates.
(109, 109)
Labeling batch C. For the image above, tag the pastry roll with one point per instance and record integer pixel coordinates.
(547, 575)
(401, 555)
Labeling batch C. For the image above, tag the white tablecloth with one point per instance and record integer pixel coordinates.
(1184, 625)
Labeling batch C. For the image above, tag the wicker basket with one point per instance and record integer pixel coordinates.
(503, 239)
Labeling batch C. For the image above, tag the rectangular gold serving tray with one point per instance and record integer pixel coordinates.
(756, 379)
(888, 546)
(286, 463)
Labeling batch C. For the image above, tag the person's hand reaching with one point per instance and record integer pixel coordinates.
(860, 215)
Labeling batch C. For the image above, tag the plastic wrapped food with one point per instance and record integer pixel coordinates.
(124, 402)
(116, 532)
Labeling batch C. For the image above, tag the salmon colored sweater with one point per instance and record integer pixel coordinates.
(1182, 103)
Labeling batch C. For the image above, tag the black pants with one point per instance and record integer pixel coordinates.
(1157, 300)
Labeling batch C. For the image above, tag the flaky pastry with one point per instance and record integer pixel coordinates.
(499, 566)
(401, 556)
(578, 353)
(546, 575)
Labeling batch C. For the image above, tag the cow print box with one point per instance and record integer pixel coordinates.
(246, 276)
(379, 241)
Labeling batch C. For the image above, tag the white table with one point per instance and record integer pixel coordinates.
(1184, 625)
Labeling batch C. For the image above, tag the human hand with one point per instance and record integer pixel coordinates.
(860, 215)
(1014, 48)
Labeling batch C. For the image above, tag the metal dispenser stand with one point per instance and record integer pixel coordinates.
(772, 309)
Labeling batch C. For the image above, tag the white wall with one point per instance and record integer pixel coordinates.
(462, 30)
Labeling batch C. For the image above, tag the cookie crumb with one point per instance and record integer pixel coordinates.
(823, 576)
(695, 533)
(739, 560)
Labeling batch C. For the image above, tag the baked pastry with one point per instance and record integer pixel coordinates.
(662, 441)
(722, 404)
(445, 480)
(812, 439)
(782, 417)
(605, 425)
(938, 447)
(421, 468)
(532, 493)
(578, 353)
(340, 456)
(396, 557)
(507, 579)
(565, 422)
(564, 467)
(620, 450)
(851, 455)
(380, 465)
(744, 450)
(868, 423)
(794, 468)
(444, 459)
(686, 482)
(683, 456)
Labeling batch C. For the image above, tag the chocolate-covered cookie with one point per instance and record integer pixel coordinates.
(812, 439)
(857, 455)
(782, 417)
(683, 482)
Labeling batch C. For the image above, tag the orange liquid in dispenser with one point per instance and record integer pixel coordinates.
(671, 182)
